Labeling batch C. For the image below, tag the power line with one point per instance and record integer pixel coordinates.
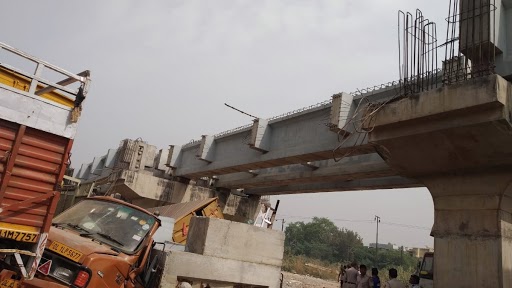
(332, 219)
(409, 226)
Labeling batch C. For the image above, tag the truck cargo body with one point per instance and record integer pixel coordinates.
(38, 121)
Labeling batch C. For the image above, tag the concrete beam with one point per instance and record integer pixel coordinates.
(350, 168)
(305, 137)
(332, 186)
(302, 136)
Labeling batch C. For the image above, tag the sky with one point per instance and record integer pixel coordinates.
(162, 70)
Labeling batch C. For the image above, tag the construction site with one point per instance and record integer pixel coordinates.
(200, 213)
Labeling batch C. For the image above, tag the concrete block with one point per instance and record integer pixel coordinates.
(237, 241)
(340, 110)
(206, 149)
(98, 163)
(173, 154)
(111, 157)
(148, 156)
(260, 135)
(161, 159)
(192, 266)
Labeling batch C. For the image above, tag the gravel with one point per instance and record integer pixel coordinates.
(302, 281)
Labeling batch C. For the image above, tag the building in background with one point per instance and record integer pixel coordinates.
(388, 246)
(419, 252)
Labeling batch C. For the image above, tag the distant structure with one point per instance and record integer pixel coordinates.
(419, 252)
(138, 171)
(388, 246)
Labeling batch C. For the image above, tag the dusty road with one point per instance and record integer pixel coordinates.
(300, 281)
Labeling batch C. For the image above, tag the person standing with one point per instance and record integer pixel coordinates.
(363, 280)
(393, 282)
(414, 280)
(351, 276)
(341, 276)
(375, 280)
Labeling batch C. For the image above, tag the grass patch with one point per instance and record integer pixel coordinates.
(312, 267)
(324, 270)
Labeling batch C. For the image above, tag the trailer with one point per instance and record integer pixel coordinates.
(38, 122)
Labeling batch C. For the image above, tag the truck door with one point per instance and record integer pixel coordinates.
(427, 271)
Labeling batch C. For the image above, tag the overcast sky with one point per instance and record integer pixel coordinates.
(163, 69)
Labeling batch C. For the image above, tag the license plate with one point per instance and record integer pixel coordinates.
(9, 283)
(65, 251)
(16, 232)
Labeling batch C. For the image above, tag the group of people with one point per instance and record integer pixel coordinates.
(354, 276)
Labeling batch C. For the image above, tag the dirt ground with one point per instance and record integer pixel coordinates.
(301, 281)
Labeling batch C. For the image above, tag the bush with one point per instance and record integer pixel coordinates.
(312, 267)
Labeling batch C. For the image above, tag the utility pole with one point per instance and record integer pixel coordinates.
(377, 219)
(282, 223)
(402, 255)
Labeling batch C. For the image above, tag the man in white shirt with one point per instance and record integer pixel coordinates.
(363, 280)
(350, 280)
(393, 282)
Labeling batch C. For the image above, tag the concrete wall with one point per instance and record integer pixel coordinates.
(207, 269)
(224, 253)
(238, 241)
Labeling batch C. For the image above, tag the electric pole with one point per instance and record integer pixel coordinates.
(377, 219)
(282, 223)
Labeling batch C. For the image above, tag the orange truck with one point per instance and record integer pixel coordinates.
(38, 121)
(100, 242)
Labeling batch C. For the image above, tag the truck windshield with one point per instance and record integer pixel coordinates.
(114, 224)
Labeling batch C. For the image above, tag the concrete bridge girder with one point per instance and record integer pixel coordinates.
(369, 171)
(319, 133)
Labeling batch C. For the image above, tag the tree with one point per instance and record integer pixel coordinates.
(321, 239)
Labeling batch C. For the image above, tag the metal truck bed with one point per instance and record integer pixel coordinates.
(38, 121)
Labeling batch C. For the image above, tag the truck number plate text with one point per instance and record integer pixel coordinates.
(65, 251)
(18, 236)
(9, 283)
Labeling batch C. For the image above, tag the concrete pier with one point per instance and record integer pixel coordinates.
(457, 141)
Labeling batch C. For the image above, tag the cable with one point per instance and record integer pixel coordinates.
(245, 113)
(360, 221)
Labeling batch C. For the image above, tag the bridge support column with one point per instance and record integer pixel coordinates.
(472, 230)
(457, 141)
